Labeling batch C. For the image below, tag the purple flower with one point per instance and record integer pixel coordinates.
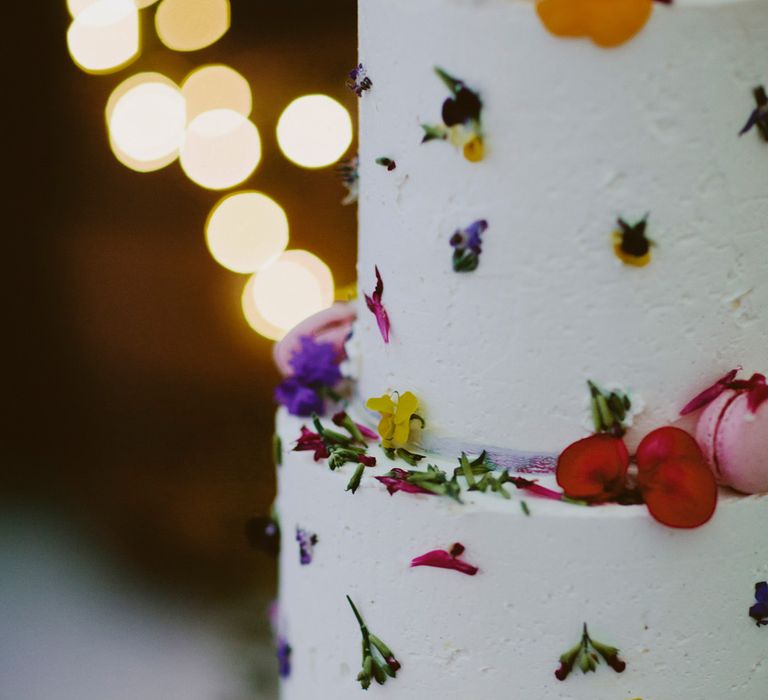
(358, 80)
(316, 363)
(307, 541)
(441, 559)
(284, 652)
(759, 117)
(299, 399)
(467, 245)
(376, 307)
(759, 611)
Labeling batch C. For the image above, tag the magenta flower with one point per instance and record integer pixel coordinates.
(440, 559)
(311, 442)
(376, 307)
(535, 488)
(756, 388)
(397, 480)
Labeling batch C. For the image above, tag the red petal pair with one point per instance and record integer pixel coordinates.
(677, 485)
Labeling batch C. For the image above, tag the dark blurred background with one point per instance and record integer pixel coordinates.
(140, 405)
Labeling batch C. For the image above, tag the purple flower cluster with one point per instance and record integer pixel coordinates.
(315, 373)
(358, 80)
(307, 541)
(284, 652)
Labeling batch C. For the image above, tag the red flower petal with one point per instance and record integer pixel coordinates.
(594, 469)
(665, 444)
(396, 481)
(535, 488)
(682, 493)
(441, 559)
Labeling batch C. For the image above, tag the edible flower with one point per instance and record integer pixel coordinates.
(432, 482)
(284, 652)
(759, 611)
(376, 307)
(535, 488)
(387, 163)
(315, 373)
(441, 559)
(307, 541)
(339, 449)
(379, 663)
(358, 80)
(631, 244)
(398, 413)
(462, 123)
(612, 410)
(586, 656)
(467, 246)
(755, 387)
(608, 23)
(759, 117)
(673, 478)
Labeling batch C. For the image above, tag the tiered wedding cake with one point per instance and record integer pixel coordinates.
(563, 244)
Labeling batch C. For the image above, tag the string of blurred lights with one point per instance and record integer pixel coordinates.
(205, 124)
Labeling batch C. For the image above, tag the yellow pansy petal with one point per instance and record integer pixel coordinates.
(382, 404)
(474, 151)
(407, 405)
(402, 433)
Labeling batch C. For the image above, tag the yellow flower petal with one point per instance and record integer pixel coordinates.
(386, 427)
(474, 151)
(402, 433)
(407, 405)
(382, 404)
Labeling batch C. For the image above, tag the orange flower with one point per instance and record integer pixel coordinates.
(607, 22)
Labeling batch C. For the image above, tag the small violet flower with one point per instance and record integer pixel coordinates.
(467, 245)
(462, 119)
(376, 307)
(586, 657)
(631, 244)
(284, 652)
(756, 387)
(379, 663)
(307, 541)
(358, 80)
(299, 399)
(759, 611)
(759, 117)
(441, 559)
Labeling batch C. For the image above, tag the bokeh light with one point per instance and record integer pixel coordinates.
(314, 131)
(104, 35)
(222, 148)
(190, 25)
(146, 118)
(75, 7)
(246, 230)
(285, 292)
(216, 87)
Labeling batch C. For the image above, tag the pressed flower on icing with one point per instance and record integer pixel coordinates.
(759, 117)
(398, 414)
(450, 559)
(467, 244)
(379, 662)
(462, 119)
(631, 244)
(759, 611)
(586, 656)
(608, 23)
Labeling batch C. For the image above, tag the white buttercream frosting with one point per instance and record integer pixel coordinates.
(576, 136)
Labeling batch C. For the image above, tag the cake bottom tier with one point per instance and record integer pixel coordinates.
(675, 603)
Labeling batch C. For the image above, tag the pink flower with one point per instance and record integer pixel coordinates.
(756, 388)
(396, 481)
(709, 395)
(311, 442)
(535, 488)
(441, 559)
(376, 307)
(331, 326)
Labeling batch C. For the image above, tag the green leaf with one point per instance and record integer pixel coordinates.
(277, 450)
(434, 133)
(453, 84)
(354, 482)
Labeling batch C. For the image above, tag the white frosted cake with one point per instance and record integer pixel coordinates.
(531, 461)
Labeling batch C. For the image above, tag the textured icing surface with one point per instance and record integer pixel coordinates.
(674, 602)
(576, 136)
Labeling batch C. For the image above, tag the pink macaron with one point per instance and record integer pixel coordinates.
(332, 326)
(734, 440)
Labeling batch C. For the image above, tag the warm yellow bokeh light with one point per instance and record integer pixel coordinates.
(246, 230)
(286, 291)
(314, 131)
(221, 149)
(146, 118)
(189, 25)
(104, 35)
(216, 87)
(75, 7)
